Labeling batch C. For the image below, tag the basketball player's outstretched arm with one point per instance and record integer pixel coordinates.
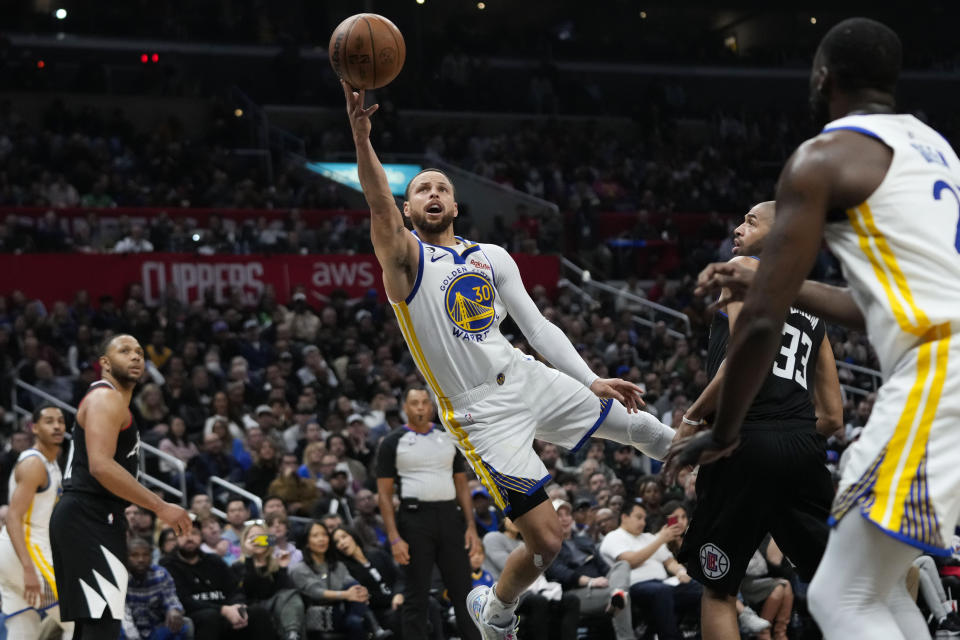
(105, 411)
(395, 247)
(833, 171)
(30, 474)
(833, 304)
(549, 340)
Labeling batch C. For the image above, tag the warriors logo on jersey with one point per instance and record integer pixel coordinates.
(469, 302)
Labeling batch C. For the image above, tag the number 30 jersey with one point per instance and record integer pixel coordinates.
(785, 395)
(451, 319)
(900, 249)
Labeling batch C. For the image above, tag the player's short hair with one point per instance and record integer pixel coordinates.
(406, 191)
(862, 54)
(108, 340)
(408, 390)
(38, 412)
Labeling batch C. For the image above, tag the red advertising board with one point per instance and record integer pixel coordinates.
(57, 276)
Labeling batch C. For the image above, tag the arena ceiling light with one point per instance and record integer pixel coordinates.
(61, 14)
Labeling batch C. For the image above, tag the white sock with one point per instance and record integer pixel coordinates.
(498, 612)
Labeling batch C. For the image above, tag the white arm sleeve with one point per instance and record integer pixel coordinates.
(543, 335)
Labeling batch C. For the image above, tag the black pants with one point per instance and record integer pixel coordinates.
(549, 619)
(208, 624)
(434, 532)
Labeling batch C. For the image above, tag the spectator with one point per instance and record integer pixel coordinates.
(485, 514)
(334, 600)
(312, 467)
(149, 408)
(337, 446)
(237, 514)
(135, 242)
(582, 572)
(210, 593)
(57, 386)
(266, 465)
(303, 322)
(375, 570)
(266, 584)
(152, 597)
(767, 589)
(651, 564)
(338, 501)
(279, 527)
(212, 461)
(177, 445)
(366, 522)
(214, 543)
(299, 494)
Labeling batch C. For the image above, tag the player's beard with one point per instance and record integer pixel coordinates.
(432, 226)
(122, 375)
(819, 108)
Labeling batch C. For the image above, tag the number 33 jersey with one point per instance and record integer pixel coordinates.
(786, 392)
(900, 250)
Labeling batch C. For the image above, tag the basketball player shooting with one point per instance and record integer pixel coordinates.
(885, 190)
(450, 296)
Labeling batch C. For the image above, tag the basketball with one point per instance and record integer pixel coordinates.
(367, 51)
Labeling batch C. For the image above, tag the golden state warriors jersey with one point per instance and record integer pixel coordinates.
(38, 517)
(451, 318)
(900, 250)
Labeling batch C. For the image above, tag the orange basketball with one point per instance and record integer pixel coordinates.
(367, 51)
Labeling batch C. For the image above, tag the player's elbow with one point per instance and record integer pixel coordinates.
(98, 467)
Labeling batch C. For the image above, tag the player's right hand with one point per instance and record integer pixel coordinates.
(732, 279)
(401, 552)
(31, 584)
(627, 393)
(359, 117)
(175, 516)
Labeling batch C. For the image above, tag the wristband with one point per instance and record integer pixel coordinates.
(692, 423)
(395, 541)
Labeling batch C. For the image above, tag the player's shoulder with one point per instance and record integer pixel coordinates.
(31, 464)
(494, 251)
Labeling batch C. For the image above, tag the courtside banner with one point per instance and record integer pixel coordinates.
(58, 276)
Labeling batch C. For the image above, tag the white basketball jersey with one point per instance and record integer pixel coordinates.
(451, 319)
(37, 521)
(900, 250)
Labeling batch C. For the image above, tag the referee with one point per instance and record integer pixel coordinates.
(420, 463)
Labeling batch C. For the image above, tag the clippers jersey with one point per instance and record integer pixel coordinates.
(900, 251)
(785, 393)
(78, 477)
(451, 319)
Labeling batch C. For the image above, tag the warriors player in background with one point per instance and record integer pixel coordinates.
(87, 528)
(885, 191)
(450, 296)
(27, 585)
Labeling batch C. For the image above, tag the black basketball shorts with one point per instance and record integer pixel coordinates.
(88, 538)
(775, 482)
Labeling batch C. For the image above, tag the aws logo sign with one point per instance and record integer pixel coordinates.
(469, 303)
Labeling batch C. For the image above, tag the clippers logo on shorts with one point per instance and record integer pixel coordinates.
(713, 561)
(469, 303)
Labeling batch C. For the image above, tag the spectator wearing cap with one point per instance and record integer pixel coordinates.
(358, 434)
(301, 319)
(339, 500)
(257, 353)
(582, 572)
(420, 464)
(485, 515)
(661, 597)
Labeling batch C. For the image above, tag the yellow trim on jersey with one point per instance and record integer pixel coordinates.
(36, 555)
(909, 443)
(446, 410)
(869, 230)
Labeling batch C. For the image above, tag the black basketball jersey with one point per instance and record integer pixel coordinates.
(78, 476)
(786, 394)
